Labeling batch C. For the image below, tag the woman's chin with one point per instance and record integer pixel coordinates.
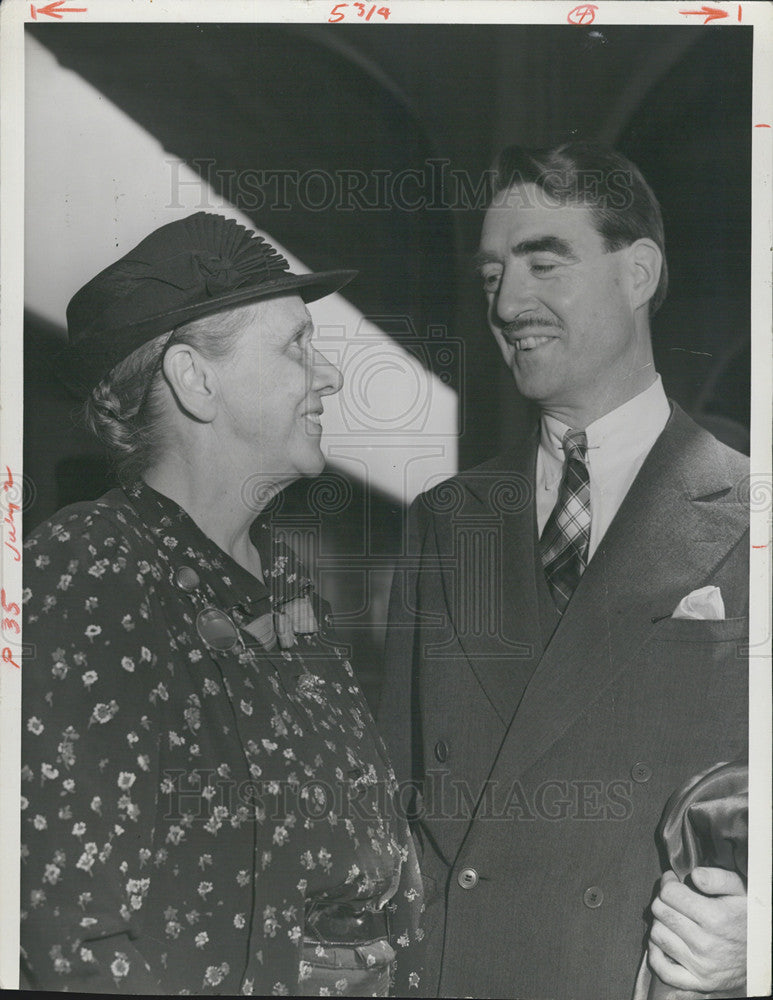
(313, 461)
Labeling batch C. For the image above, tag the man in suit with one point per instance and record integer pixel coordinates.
(542, 699)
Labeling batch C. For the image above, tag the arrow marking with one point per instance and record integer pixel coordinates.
(55, 9)
(710, 13)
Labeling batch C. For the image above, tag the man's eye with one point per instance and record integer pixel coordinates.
(491, 281)
(543, 266)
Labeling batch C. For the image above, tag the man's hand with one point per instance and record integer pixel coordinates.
(698, 942)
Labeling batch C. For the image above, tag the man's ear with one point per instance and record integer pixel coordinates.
(192, 381)
(646, 262)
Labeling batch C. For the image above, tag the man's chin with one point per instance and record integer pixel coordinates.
(532, 385)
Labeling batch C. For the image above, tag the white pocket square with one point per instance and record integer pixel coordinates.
(704, 603)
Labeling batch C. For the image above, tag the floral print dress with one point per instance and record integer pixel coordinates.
(192, 803)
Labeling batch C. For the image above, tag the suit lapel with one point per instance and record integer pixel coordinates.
(488, 577)
(671, 531)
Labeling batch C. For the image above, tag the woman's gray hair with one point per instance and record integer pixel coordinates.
(125, 410)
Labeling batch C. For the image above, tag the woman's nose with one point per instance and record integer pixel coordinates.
(326, 378)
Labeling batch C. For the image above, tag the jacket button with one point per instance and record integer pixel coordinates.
(467, 878)
(187, 578)
(593, 897)
(641, 773)
(441, 751)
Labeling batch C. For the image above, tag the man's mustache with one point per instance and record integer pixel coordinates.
(509, 330)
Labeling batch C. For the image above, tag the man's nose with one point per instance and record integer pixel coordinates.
(326, 378)
(514, 294)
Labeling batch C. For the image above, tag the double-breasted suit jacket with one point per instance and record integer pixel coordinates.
(542, 751)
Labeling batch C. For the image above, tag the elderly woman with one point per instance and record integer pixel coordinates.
(207, 807)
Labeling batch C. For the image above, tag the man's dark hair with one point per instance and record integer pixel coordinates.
(622, 203)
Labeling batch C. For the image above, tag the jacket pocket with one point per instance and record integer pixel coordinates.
(701, 630)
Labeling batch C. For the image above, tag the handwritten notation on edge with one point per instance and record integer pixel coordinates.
(584, 14)
(11, 623)
(709, 13)
(11, 608)
(338, 13)
(56, 9)
(13, 509)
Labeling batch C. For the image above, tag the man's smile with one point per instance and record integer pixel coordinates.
(530, 343)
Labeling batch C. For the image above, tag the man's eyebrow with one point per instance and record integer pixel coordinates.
(545, 244)
(539, 244)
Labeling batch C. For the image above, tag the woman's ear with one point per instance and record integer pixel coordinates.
(646, 262)
(192, 381)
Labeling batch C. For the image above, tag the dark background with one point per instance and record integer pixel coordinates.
(676, 100)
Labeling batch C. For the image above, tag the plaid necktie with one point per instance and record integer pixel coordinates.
(564, 542)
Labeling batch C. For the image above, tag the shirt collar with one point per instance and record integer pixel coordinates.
(614, 440)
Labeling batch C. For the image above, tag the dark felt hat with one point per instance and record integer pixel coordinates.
(185, 270)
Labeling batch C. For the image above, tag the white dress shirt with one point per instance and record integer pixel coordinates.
(618, 443)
